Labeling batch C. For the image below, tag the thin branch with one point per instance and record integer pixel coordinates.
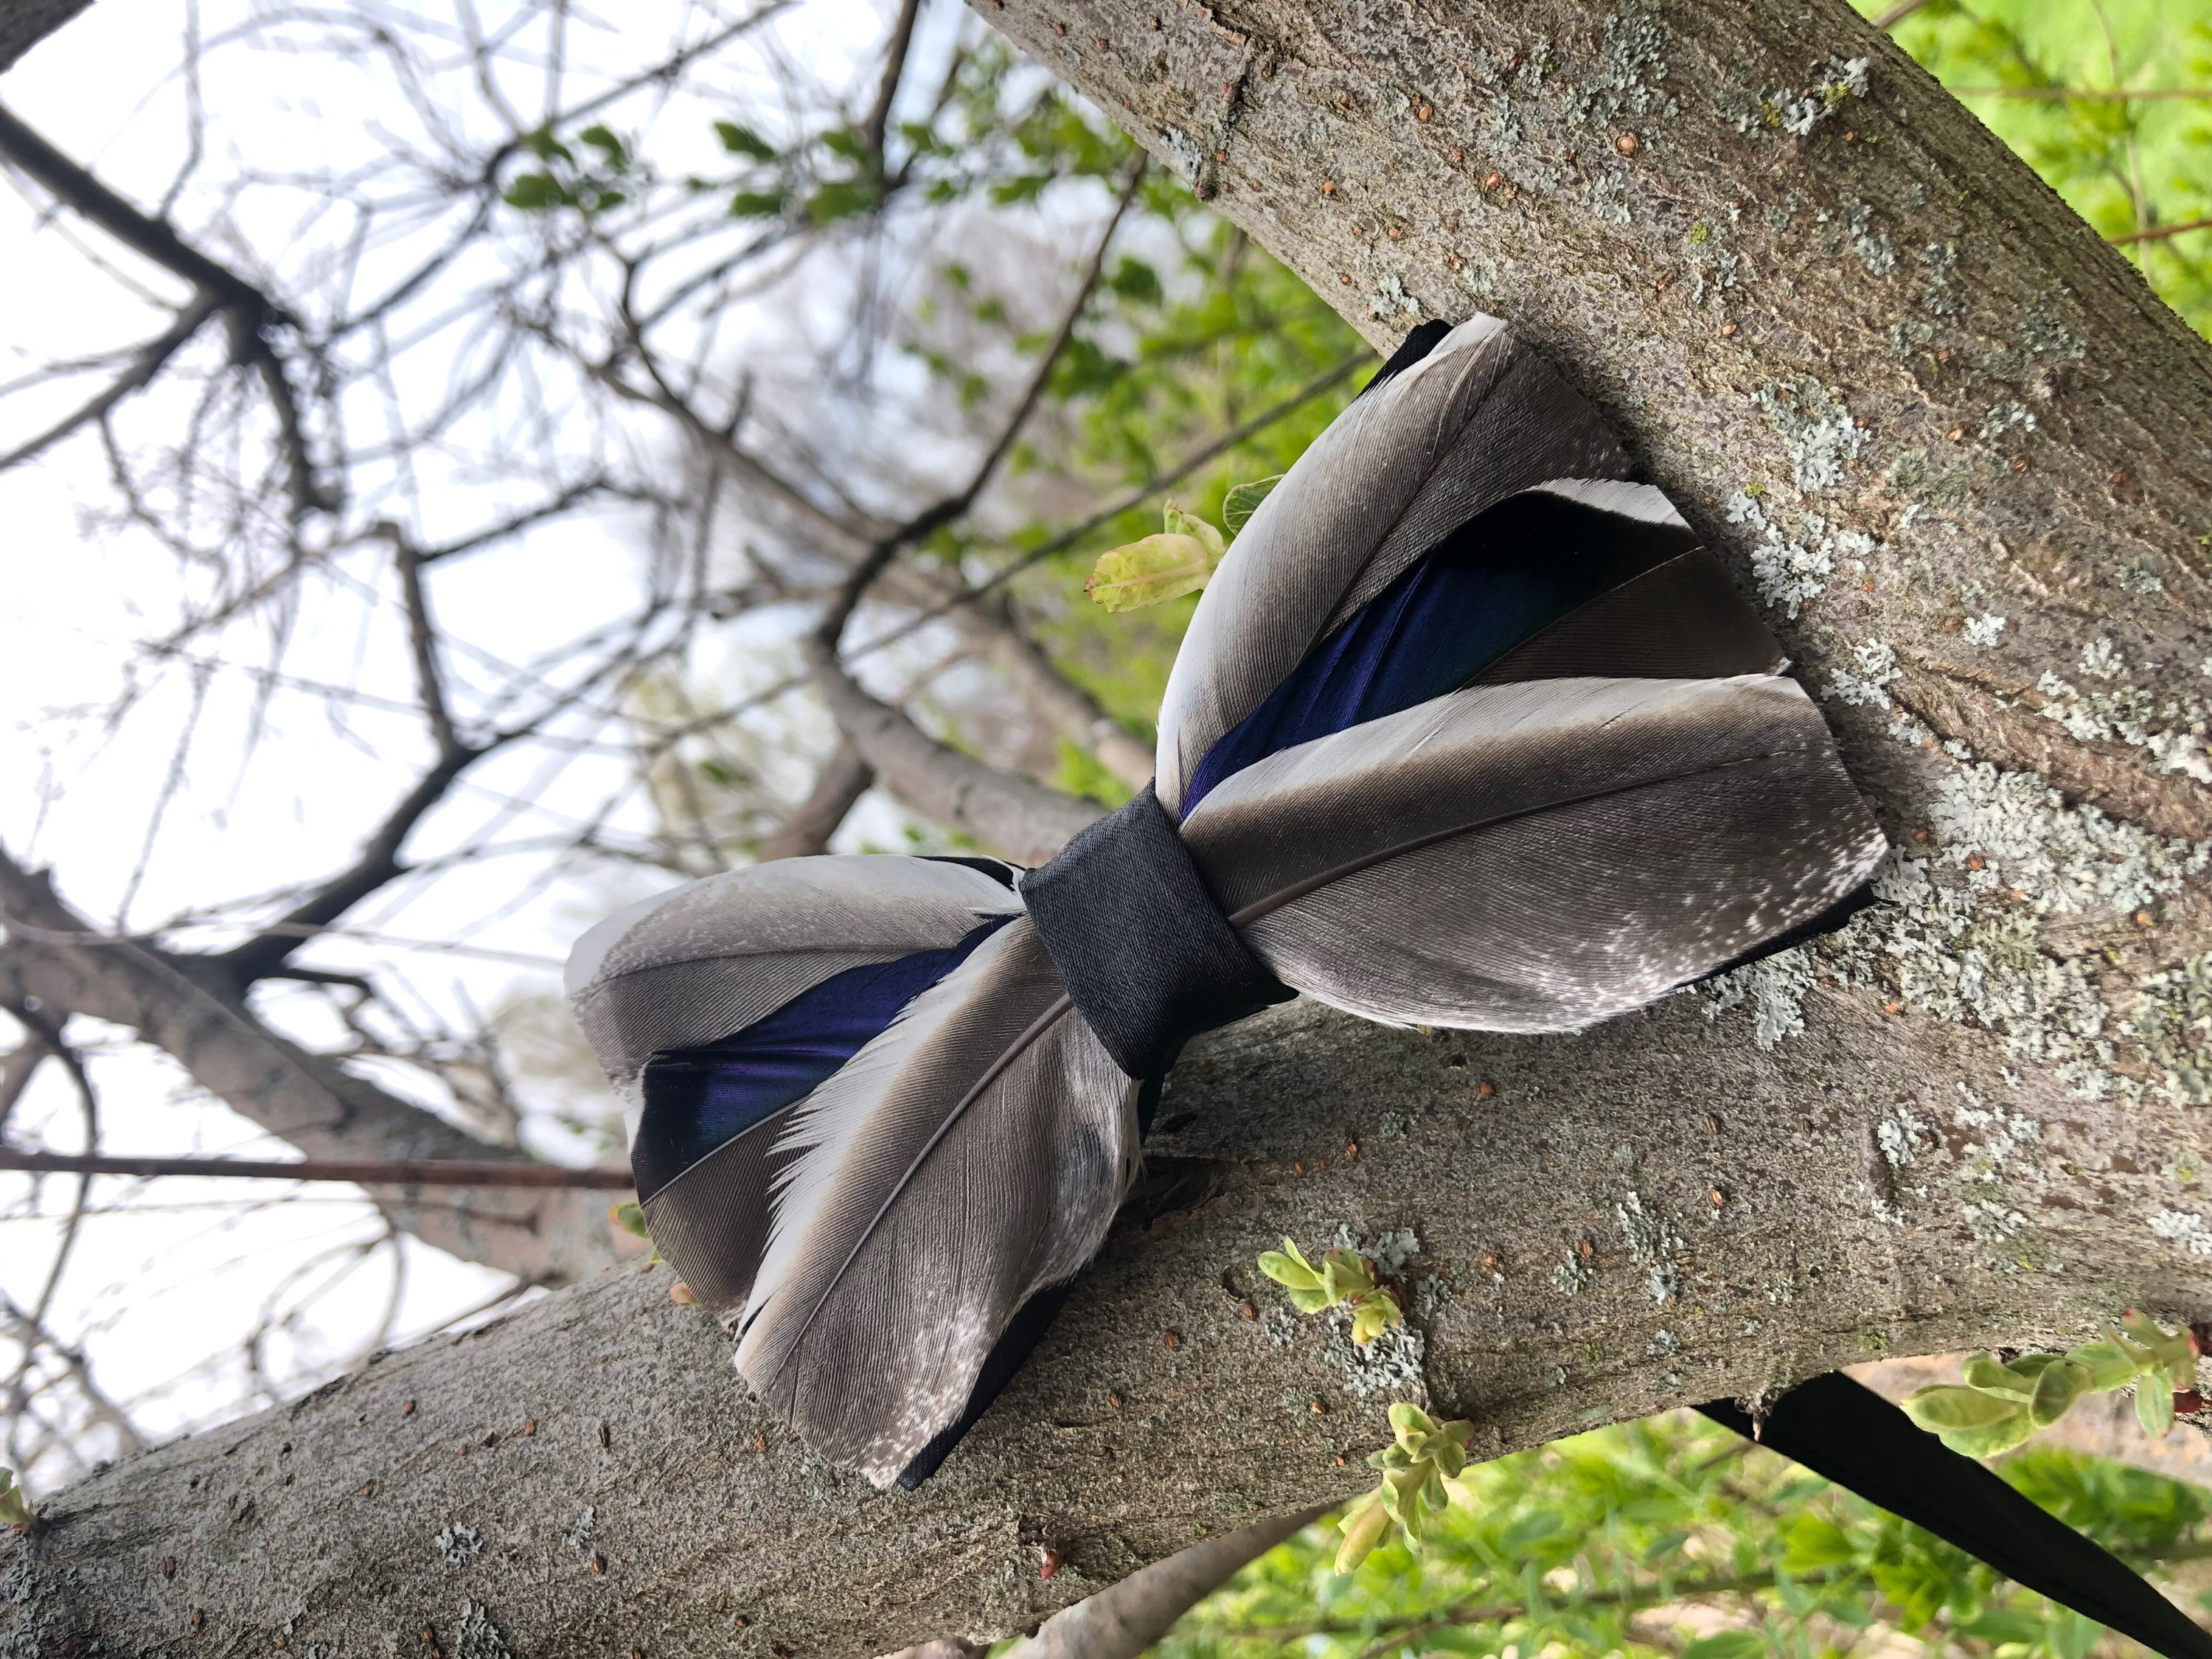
(1897, 13)
(951, 507)
(423, 642)
(2159, 233)
(879, 116)
(254, 317)
(145, 363)
(1123, 1619)
(361, 1172)
(2086, 94)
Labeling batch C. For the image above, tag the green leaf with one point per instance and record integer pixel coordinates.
(2106, 1363)
(2059, 1386)
(1243, 500)
(1150, 571)
(1180, 522)
(1990, 1375)
(630, 1218)
(1407, 1419)
(1944, 1409)
(757, 204)
(2154, 1407)
(841, 198)
(1362, 1527)
(604, 140)
(1991, 1438)
(743, 141)
(1726, 1644)
(844, 141)
(16, 1509)
(1814, 1544)
(534, 191)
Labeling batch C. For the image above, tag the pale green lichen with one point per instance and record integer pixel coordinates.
(2181, 1228)
(477, 1637)
(2172, 1020)
(1775, 987)
(1817, 428)
(1631, 64)
(1797, 111)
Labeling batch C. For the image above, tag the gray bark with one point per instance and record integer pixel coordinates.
(24, 23)
(1959, 1125)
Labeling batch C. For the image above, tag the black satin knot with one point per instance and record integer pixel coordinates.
(1147, 956)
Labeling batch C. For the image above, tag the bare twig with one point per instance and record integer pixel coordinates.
(2159, 233)
(879, 119)
(362, 1172)
(145, 363)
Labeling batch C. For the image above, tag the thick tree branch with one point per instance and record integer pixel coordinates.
(1011, 814)
(24, 23)
(844, 777)
(1504, 1157)
(311, 1102)
(390, 1172)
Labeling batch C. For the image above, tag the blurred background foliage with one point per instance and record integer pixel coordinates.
(1672, 1535)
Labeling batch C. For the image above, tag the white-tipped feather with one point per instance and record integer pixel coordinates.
(968, 1159)
(700, 963)
(1640, 502)
(1478, 419)
(1537, 856)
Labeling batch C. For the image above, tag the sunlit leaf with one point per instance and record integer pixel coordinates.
(1150, 571)
(1243, 500)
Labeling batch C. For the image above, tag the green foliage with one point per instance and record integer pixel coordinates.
(630, 1218)
(16, 1509)
(1672, 1536)
(597, 182)
(1998, 1404)
(1181, 560)
(2126, 166)
(1344, 1277)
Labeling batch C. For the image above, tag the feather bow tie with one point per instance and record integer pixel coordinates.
(1466, 731)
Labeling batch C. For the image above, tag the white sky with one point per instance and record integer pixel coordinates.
(162, 1293)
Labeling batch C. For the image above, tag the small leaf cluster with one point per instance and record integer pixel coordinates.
(16, 1509)
(1998, 1404)
(1181, 560)
(599, 179)
(1423, 1455)
(1344, 1276)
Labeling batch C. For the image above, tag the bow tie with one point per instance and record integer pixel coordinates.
(1466, 731)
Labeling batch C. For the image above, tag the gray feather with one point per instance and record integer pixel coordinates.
(971, 1156)
(1478, 419)
(699, 962)
(1538, 856)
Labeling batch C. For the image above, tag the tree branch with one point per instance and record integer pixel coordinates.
(879, 114)
(255, 318)
(145, 363)
(1123, 1619)
(313, 1104)
(844, 777)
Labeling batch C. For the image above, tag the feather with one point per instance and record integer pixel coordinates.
(1507, 574)
(1537, 856)
(715, 1007)
(970, 1159)
(708, 1152)
(1476, 420)
(699, 962)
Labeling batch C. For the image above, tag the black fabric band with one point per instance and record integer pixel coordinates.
(1148, 958)
(1837, 1428)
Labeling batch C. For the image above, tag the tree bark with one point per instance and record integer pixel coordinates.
(1909, 395)
(24, 23)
